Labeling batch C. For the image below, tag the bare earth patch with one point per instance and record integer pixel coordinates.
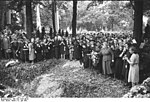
(66, 79)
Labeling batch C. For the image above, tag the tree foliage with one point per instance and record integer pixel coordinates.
(109, 15)
(92, 15)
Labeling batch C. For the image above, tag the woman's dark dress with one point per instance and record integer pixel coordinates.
(56, 47)
(14, 48)
(21, 51)
(38, 49)
(77, 52)
(118, 63)
(50, 49)
(86, 59)
(67, 52)
(125, 69)
(62, 48)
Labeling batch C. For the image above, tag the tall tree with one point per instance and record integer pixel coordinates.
(74, 19)
(29, 18)
(2, 13)
(53, 15)
(138, 20)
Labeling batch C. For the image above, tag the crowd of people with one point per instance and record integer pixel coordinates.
(112, 54)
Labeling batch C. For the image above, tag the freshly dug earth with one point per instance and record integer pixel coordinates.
(60, 78)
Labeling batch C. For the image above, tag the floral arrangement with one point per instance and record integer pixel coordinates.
(140, 91)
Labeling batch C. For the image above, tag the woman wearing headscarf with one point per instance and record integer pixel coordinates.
(107, 59)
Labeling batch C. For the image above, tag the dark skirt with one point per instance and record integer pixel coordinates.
(125, 71)
(99, 65)
(118, 66)
(86, 61)
(67, 53)
(39, 56)
(57, 52)
(24, 55)
(62, 51)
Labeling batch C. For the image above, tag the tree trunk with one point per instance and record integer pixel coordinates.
(29, 22)
(74, 19)
(8, 16)
(138, 20)
(2, 14)
(24, 19)
(53, 16)
(38, 18)
(57, 19)
(3, 19)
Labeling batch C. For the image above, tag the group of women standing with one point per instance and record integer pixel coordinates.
(108, 53)
(116, 58)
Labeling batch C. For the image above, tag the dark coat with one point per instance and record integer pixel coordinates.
(38, 49)
(78, 52)
(118, 62)
(125, 69)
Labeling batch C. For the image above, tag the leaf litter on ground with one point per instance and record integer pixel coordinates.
(77, 82)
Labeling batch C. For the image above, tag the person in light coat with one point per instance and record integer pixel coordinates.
(31, 51)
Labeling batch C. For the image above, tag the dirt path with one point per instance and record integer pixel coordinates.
(71, 80)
